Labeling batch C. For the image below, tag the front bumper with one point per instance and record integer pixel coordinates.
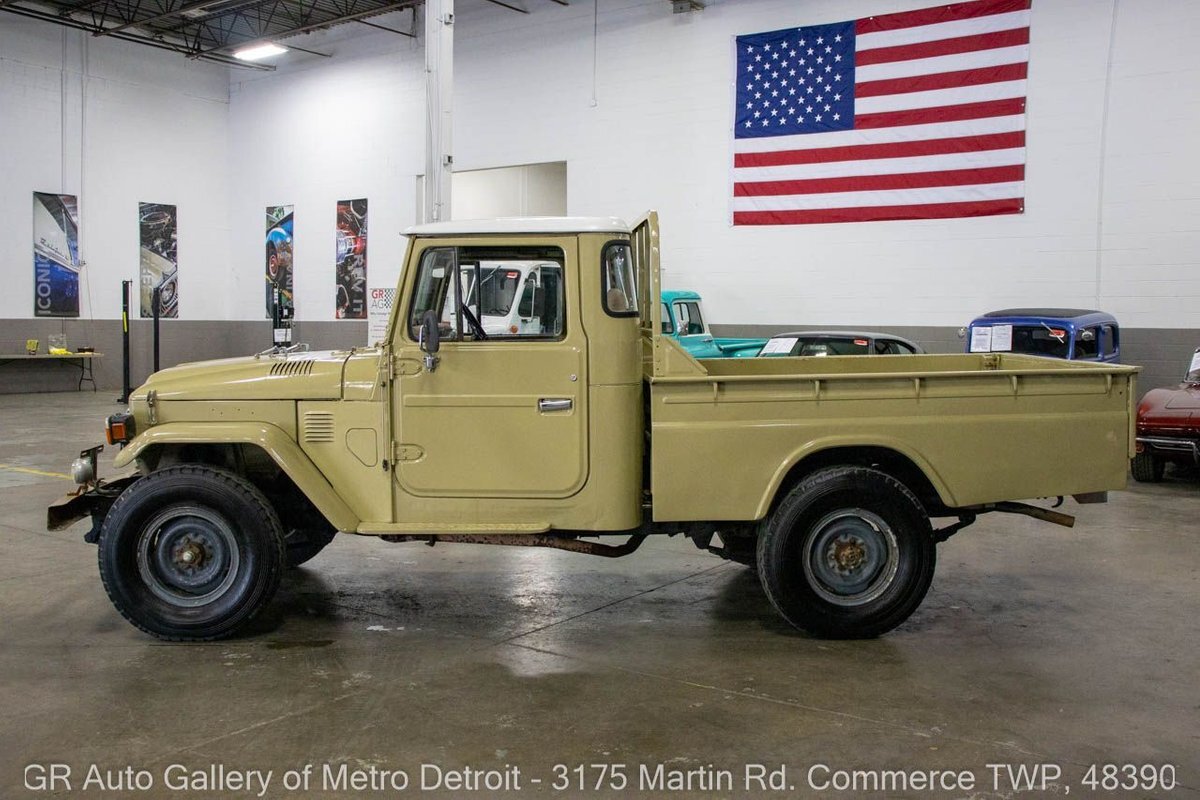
(1169, 447)
(93, 499)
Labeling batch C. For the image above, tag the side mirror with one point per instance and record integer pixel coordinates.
(429, 339)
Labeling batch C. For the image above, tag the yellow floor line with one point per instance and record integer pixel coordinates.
(35, 472)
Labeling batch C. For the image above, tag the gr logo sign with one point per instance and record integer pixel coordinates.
(47, 777)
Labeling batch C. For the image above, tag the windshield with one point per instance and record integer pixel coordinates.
(1193, 375)
(1041, 340)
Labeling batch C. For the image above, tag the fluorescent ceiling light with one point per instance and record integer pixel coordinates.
(259, 52)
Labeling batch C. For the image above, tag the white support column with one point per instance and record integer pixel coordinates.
(439, 103)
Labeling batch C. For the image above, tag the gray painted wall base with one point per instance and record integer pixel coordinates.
(181, 340)
(1163, 353)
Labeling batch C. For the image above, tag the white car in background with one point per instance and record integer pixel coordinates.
(838, 343)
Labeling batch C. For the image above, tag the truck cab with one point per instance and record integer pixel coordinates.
(683, 319)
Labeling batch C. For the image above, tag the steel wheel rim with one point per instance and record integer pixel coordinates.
(851, 558)
(187, 555)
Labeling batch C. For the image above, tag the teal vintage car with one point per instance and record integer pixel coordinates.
(682, 319)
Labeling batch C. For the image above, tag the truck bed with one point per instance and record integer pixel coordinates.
(982, 428)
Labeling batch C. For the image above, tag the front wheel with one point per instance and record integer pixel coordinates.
(1147, 467)
(303, 544)
(848, 554)
(191, 552)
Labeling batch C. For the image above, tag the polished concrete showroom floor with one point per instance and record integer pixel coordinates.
(1036, 645)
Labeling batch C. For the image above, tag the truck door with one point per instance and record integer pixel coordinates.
(502, 414)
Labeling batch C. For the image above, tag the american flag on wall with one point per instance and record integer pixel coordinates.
(914, 115)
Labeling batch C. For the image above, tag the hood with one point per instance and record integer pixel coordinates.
(294, 376)
(1169, 410)
(1187, 396)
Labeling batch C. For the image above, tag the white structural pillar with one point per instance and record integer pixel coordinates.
(439, 103)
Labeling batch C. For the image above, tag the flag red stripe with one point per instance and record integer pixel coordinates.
(871, 213)
(942, 47)
(932, 16)
(869, 183)
(861, 152)
(924, 116)
(943, 80)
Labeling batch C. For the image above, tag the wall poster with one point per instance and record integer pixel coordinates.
(351, 269)
(158, 261)
(382, 300)
(279, 255)
(55, 255)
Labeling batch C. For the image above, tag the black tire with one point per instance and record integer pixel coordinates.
(303, 544)
(847, 554)
(1147, 467)
(191, 552)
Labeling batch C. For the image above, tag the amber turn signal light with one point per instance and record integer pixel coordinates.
(118, 428)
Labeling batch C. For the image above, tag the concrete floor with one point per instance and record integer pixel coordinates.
(1036, 644)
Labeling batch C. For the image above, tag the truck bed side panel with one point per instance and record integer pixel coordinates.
(1004, 428)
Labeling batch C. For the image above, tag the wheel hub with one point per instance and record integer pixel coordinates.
(850, 557)
(847, 554)
(187, 555)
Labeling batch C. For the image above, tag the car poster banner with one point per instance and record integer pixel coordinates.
(279, 255)
(55, 255)
(351, 268)
(158, 260)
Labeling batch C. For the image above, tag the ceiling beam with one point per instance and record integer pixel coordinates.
(160, 44)
(278, 35)
(178, 12)
(509, 5)
(385, 28)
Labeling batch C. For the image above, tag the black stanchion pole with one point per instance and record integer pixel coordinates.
(125, 388)
(157, 301)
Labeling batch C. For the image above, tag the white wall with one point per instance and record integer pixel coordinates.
(323, 131)
(114, 124)
(530, 190)
(1111, 221)
(1112, 205)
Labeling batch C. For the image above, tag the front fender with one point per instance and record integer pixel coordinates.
(273, 441)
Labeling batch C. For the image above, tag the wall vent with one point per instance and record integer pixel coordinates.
(318, 427)
(300, 367)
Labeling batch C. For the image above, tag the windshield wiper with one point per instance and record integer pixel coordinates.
(1060, 339)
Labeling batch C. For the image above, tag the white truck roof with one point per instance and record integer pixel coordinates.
(521, 225)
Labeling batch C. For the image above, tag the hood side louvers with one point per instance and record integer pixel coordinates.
(299, 367)
(318, 427)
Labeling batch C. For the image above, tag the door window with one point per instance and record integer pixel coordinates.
(474, 293)
(1112, 340)
(1087, 343)
(690, 321)
(668, 327)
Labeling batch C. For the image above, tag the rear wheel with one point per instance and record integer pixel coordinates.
(1147, 467)
(848, 554)
(191, 552)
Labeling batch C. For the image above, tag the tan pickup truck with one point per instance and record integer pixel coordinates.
(579, 422)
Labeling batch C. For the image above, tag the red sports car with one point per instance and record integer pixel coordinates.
(1168, 426)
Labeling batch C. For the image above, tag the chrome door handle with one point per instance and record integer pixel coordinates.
(555, 404)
